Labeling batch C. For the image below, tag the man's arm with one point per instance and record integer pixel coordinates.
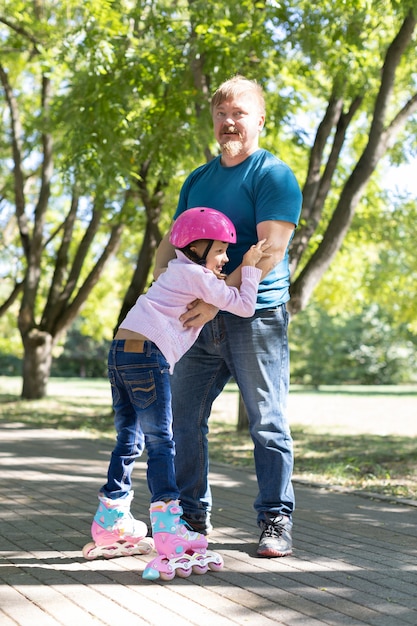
(164, 253)
(278, 235)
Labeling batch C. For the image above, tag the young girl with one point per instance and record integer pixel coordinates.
(148, 343)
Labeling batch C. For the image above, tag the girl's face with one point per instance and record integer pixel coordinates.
(216, 257)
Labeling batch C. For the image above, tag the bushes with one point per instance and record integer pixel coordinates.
(364, 349)
(82, 356)
(10, 365)
(360, 349)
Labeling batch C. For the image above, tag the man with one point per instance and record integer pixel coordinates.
(260, 194)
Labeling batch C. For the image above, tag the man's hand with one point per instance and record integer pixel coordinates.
(198, 313)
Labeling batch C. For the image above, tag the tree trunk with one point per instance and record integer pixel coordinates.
(37, 362)
(140, 276)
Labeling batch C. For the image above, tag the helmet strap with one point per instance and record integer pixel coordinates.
(193, 256)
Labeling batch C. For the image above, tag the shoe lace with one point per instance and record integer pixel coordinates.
(273, 528)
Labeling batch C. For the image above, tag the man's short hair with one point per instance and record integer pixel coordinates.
(234, 87)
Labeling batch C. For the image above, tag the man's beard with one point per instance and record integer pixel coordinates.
(232, 148)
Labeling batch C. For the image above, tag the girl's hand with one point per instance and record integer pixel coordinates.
(256, 253)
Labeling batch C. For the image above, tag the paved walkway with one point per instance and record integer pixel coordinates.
(355, 558)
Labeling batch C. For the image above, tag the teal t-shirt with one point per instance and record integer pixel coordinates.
(260, 188)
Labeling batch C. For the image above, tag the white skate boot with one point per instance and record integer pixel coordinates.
(116, 532)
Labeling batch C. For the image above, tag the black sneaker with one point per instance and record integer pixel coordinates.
(276, 537)
(202, 526)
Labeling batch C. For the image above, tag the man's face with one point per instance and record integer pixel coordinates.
(237, 123)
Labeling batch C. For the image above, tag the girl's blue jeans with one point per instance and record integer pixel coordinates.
(140, 385)
(254, 351)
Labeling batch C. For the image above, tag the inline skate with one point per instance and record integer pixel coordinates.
(181, 551)
(116, 532)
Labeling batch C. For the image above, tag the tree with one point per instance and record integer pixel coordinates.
(351, 74)
(387, 99)
(92, 96)
(196, 43)
(357, 66)
(363, 65)
(106, 107)
(66, 223)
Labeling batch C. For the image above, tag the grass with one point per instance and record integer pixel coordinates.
(337, 452)
(378, 464)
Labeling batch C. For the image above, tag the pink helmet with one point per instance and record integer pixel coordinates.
(201, 223)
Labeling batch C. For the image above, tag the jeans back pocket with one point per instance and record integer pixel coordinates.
(140, 386)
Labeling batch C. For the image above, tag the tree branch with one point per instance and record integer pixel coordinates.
(33, 272)
(20, 30)
(18, 178)
(353, 190)
(71, 312)
(17, 289)
(319, 187)
(61, 263)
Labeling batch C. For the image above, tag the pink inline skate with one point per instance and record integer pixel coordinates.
(116, 532)
(181, 551)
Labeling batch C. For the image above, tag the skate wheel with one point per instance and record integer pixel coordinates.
(167, 575)
(216, 567)
(88, 548)
(183, 572)
(200, 569)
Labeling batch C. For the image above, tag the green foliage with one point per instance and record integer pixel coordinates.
(331, 42)
(10, 342)
(365, 348)
(82, 356)
(131, 83)
(377, 263)
(10, 364)
(393, 274)
(99, 314)
(134, 93)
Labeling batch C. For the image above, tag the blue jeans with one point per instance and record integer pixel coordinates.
(141, 392)
(254, 351)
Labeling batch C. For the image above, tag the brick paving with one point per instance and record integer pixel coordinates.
(354, 562)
